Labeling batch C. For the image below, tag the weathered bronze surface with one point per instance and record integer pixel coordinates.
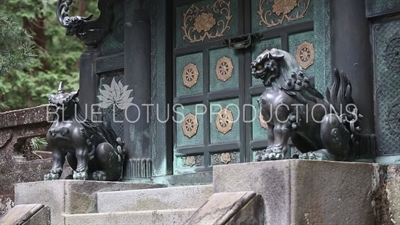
(320, 129)
(93, 151)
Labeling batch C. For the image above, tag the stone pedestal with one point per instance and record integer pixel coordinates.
(69, 196)
(305, 192)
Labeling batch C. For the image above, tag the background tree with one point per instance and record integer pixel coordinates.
(35, 53)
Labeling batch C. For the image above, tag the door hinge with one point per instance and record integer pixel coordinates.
(241, 42)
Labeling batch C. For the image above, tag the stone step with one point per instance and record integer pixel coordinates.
(154, 199)
(155, 217)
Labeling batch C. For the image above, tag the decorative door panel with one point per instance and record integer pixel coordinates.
(209, 73)
(386, 49)
(207, 84)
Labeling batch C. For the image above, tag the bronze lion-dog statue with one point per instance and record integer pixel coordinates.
(93, 151)
(292, 108)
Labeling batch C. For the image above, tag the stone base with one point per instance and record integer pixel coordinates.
(305, 191)
(69, 196)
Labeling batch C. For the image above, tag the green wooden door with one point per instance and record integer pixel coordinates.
(216, 115)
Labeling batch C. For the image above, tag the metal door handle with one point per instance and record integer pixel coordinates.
(241, 42)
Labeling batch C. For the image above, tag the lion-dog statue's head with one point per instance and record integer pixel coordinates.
(280, 69)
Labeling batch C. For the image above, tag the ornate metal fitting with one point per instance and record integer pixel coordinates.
(305, 54)
(224, 120)
(224, 68)
(190, 75)
(241, 42)
(63, 18)
(77, 25)
(190, 125)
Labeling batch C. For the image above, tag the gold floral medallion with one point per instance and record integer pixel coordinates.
(305, 54)
(190, 125)
(224, 120)
(190, 75)
(224, 68)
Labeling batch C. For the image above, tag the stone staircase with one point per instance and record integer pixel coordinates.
(270, 193)
(173, 205)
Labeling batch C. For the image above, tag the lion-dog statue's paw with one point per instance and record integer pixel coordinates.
(322, 154)
(80, 175)
(271, 153)
(53, 175)
(99, 175)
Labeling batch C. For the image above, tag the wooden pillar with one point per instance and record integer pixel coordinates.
(138, 77)
(88, 81)
(352, 53)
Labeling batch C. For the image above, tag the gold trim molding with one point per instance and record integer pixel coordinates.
(305, 54)
(224, 120)
(274, 12)
(224, 68)
(190, 125)
(198, 22)
(190, 75)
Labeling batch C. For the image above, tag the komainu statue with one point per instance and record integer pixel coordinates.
(292, 108)
(93, 151)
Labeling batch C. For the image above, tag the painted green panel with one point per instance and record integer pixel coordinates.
(234, 133)
(258, 131)
(181, 112)
(295, 40)
(223, 60)
(259, 47)
(269, 14)
(181, 63)
(206, 20)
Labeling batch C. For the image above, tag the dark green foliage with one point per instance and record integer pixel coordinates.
(35, 53)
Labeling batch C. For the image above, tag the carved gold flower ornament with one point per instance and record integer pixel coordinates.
(204, 22)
